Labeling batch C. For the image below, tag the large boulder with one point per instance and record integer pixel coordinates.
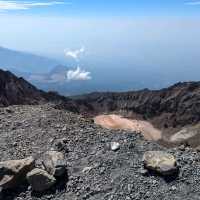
(54, 163)
(13, 172)
(40, 180)
(160, 162)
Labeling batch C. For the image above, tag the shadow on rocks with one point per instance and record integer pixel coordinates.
(11, 194)
(60, 186)
(168, 178)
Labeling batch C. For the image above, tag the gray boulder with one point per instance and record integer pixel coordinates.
(161, 162)
(40, 180)
(54, 163)
(13, 172)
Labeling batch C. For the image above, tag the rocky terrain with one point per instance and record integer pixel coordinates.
(100, 163)
(50, 147)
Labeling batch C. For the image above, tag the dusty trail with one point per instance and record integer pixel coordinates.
(118, 122)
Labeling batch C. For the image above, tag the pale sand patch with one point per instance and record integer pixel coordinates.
(118, 122)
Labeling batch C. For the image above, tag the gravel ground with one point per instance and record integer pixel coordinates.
(94, 171)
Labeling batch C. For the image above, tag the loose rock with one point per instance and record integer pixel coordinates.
(13, 172)
(54, 163)
(160, 162)
(115, 146)
(40, 180)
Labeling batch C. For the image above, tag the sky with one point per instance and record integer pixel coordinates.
(101, 8)
(153, 34)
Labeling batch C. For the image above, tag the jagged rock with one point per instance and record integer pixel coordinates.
(54, 163)
(161, 162)
(40, 180)
(13, 172)
(114, 146)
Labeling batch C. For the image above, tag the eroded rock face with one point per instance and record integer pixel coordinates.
(13, 172)
(40, 180)
(160, 162)
(54, 163)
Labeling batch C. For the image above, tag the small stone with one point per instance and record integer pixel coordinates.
(87, 170)
(182, 147)
(61, 144)
(144, 172)
(115, 146)
(173, 188)
(14, 144)
(64, 128)
(40, 180)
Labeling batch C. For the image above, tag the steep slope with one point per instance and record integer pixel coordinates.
(15, 90)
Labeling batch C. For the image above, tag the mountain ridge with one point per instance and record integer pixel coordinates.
(175, 106)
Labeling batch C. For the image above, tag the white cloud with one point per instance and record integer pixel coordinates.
(78, 75)
(24, 5)
(192, 3)
(75, 54)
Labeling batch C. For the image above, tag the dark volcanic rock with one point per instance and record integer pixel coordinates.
(40, 180)
(15, 90)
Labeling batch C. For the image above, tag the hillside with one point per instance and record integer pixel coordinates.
(94, 170)
(15, 90)
(18, 91)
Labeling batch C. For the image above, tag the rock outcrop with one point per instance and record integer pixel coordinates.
(13, 172)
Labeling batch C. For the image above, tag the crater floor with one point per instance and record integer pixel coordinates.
(118, 122)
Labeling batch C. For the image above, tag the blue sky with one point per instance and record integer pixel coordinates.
(101, 8)
(150, 33)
